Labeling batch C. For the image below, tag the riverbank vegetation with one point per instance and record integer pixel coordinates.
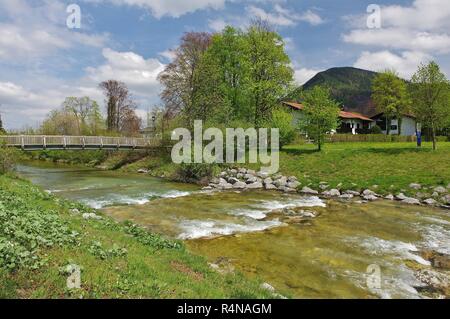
(391, 167)
(43, 238)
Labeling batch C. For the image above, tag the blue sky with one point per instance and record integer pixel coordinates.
(42, 60)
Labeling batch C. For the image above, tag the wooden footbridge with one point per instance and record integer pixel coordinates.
(51, 142)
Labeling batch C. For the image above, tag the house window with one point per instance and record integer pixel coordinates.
(394, 127)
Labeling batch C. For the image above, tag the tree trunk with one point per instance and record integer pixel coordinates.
(388, 126)
(399, 125)
(433, 135)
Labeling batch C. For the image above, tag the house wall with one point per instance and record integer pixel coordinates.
(408, 127)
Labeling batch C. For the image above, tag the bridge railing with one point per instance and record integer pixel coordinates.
(45, 141)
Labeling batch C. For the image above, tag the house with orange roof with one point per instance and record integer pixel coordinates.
(351, 122)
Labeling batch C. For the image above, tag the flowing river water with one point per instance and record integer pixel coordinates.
(326, 257)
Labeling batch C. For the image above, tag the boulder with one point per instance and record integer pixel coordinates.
(222, 181)
(346, 196)
(239, 185)
(415, 186)
(251, 179)
(307, 214)
(323, 186)
(289, 190)
(332, 193)
(370, 197)
(251, 172)
(268, 180)
(446, 199)
(233, 180)
(440, 190)
(368, 192)
(207, 188)
(143, 171)
(401, 196)
(256, 185)
(242, 171)
(281, 181)
(430, 201)
(223, 174)
(233, 172)
(215, 180)
(307, 190)
(263, 175)
(292, 179)
(240, 175)
(270, 187)
(351, 192)
(293, 184)
(411, 201)
(389, 197)
(225, 186)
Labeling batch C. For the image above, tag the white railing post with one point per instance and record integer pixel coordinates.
(83, 142)
(44, 142)
(22, 142)
(64, 142)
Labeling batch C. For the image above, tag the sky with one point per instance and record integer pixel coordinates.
(43, 60)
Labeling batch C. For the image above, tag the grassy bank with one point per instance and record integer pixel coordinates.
(390, 166)
(41, 235)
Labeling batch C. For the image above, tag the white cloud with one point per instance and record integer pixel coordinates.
(217, 25)
(138, 73)
(32, 32)
(311, 17)
(423, 26)
(400, 39)
(21, 105)
(171, 8)
(405, 64)
(303, 75)
(284, 17)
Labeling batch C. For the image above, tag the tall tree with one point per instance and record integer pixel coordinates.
(118, 102)
(178, 78)
(390, 95)
(320, 114)
(270, 72)
(80, 108)
(430, 91)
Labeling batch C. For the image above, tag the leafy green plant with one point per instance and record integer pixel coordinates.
(26, 228)
(154, 241)
(98, 251)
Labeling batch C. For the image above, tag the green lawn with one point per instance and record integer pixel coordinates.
(39, 237)
(391, 166)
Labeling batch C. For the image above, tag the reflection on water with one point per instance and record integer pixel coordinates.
(324, 258)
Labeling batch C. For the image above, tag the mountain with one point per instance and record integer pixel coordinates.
(349, 86)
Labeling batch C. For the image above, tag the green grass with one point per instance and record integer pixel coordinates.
(117, 260)
(391, 166)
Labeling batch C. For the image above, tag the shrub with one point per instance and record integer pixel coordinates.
(375, 130)
(195, 172)
(8, 159)
(283, 120)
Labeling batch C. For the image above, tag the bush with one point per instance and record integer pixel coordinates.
(283, 120)
(375, 130)
(8, 159)
(338, 138)
(195, 172)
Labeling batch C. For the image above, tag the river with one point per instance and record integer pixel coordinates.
(326, 257)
